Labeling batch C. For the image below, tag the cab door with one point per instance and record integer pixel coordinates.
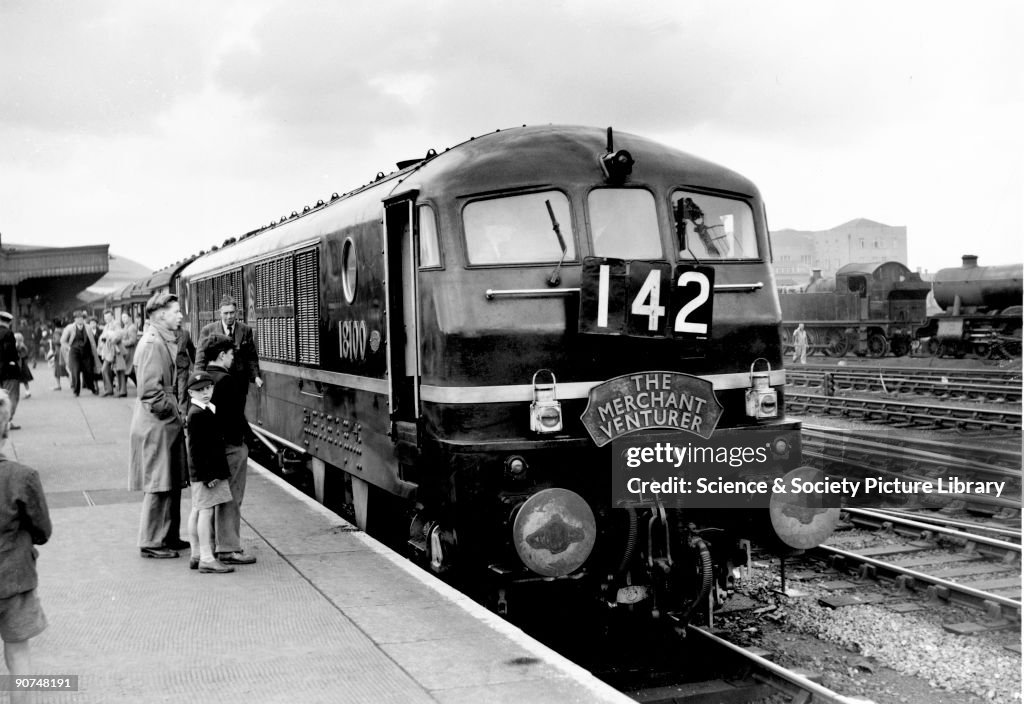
(401, 265)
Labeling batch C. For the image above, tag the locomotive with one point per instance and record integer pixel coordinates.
(455, 352)
(981, 310)
(872, 308)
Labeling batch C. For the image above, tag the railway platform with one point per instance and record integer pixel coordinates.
(326, 614)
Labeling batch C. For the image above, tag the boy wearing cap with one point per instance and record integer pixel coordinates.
(24, 522)
(208, 471)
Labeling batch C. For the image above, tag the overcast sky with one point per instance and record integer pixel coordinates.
(163, 128)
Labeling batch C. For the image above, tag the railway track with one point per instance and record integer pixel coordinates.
(957, 374)
(858, 455)
(991, 460)
(948, 565)
(755, 678)
(1007, 534)
(917, 382)
(904, 414)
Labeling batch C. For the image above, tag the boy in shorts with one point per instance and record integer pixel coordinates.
(208, 472)
(24, 522)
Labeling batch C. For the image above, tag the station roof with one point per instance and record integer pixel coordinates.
(19, 263)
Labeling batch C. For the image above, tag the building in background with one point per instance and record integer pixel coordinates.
(797, 253)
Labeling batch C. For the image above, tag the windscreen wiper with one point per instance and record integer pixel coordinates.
(556, 277)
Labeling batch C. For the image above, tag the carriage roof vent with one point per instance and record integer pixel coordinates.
(406, 163)
(970, 261)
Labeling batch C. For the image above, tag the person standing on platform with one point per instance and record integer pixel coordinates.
(55, 358)
(800, 344)
(246, 366)
(96, 378)
(77, 347)
(156, 449)
(24, 522)
(10, 365)
(219, 351)
(131, 338)
(23, 354)
(112, 355)
(208, 470)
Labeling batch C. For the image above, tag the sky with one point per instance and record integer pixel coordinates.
(164, 128)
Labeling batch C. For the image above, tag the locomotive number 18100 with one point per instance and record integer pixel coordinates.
(463, 382)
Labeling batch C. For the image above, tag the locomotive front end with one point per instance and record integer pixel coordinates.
(602, 382)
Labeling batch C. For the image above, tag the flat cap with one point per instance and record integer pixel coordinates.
(199, 380)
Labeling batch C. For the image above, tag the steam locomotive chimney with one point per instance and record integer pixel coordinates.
(815, 276)
(970, 261)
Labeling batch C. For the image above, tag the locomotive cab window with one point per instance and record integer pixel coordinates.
(518, 229)
(711, 227)
(430, 250)
(624, 224)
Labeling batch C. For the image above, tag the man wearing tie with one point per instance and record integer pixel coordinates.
(246, 366)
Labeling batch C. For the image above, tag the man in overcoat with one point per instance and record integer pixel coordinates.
(157, 442)
(246, 367)
(78, 348)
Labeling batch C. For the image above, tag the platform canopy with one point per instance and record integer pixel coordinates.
(48, 278)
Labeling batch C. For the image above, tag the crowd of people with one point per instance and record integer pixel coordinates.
(188, 428)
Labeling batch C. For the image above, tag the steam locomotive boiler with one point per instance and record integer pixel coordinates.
(457, 351)
(981, 310)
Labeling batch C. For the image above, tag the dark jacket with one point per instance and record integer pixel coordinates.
(206, 457)
(10, 364)
(24, 522)
(183, 364)
(246, 366)
(230, 405)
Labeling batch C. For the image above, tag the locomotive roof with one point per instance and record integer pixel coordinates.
(502, 160)
(868, 268)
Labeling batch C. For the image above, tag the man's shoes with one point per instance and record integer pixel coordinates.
(158, 553)
(107, 393)
(27, 394)
(124, 395)
(236, 558)
(178, 544)
(14, 426)
(76, 394)
(193, 563)
(55, 388)
(215, 567)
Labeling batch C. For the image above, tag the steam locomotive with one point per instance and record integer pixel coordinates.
(981, 310)
(455, 352)
(872, 309)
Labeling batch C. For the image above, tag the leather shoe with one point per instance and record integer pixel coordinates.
(158, 553)
(14, 426)
(193, 563)
(236, 558)
(215, 567)
(177, 545)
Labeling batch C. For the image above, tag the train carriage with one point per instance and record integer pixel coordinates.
(453, 348)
